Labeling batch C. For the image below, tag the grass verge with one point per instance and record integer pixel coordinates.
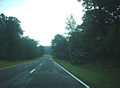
(92, 75)
(7, 64)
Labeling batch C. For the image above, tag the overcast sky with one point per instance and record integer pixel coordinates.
(42, 19)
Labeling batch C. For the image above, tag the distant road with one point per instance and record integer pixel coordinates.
(43, 73)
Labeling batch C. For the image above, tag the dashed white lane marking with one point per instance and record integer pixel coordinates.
(32, 71)
(72, 75)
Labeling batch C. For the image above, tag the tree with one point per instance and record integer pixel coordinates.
(75, 40)
(29, 48)
(109, 6)
(59, 47)
(47, 50)
(71, 23)
(101, 25)
(11, 32)
(13, 45)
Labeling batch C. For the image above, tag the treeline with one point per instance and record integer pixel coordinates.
(59, 47)
(97, 39)
(47, 50)
(13, 46)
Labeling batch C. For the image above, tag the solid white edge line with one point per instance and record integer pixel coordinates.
(73, 76)
(32, 71)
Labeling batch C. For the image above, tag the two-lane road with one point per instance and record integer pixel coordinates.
(43, 73)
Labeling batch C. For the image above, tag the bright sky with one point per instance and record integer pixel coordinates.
(42, 19)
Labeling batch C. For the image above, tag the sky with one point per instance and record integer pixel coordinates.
(42, 19)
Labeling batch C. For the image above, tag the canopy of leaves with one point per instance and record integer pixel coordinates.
(97, 38)
(12, 44)
(59, 47)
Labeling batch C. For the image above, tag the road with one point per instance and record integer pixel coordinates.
(43, 73)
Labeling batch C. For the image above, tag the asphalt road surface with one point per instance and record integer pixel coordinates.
(43, 73)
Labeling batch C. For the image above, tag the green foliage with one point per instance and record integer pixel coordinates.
(94, 76)
(47, 50)
(59, 47)
(12, 44)
(95, 42)
(101, 26)
(71, 23)
(109, 6)
(111, 45)
(97, 38)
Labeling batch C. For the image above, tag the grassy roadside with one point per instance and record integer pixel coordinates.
(95, 77)
(6, 64)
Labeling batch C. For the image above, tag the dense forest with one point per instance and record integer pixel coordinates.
(96, 40)
(13, 46)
